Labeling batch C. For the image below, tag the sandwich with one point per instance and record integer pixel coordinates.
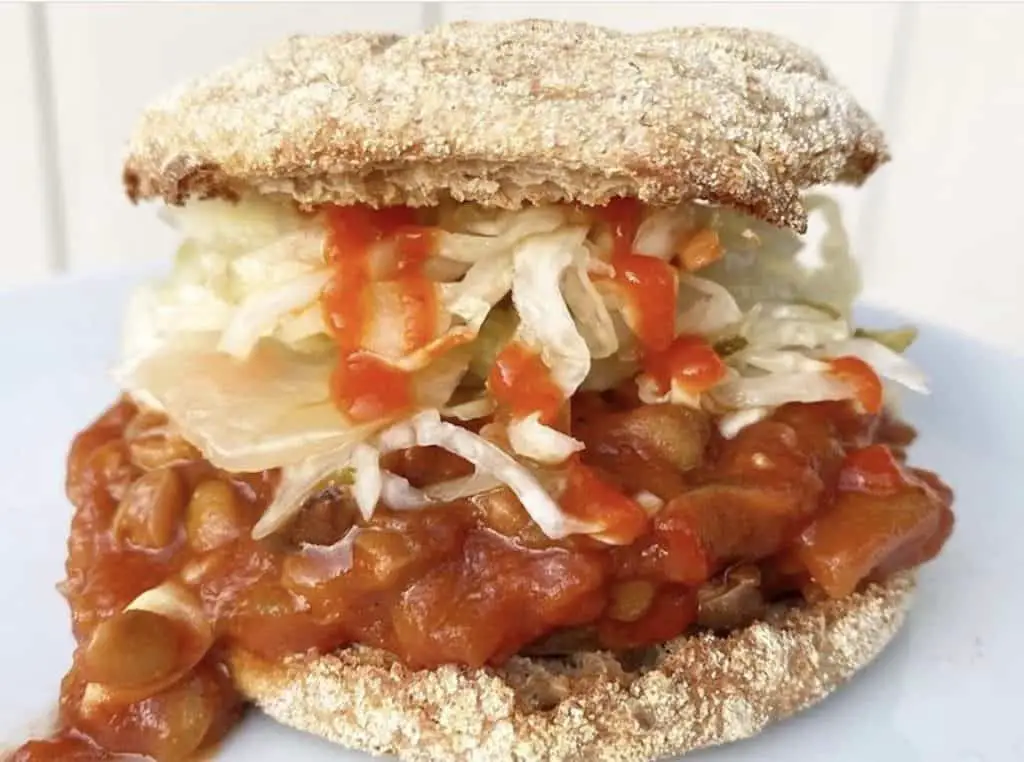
(495, 406)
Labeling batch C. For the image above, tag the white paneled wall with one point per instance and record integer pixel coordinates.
(947, 237)
(27, 246)
(945, 80)
(110, 60)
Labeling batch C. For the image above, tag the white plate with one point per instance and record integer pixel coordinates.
(947, 690)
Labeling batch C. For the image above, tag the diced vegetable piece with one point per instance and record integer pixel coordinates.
(590, 498)
(862, 531)
(736, 522)
(897, 339)
(700, 250)
(862, 379)
(873, 470)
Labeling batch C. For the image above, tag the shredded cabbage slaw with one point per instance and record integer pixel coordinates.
(235, 349)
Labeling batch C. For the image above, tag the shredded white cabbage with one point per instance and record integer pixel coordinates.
(499, 232)
(332, 560)
(886, 363)
(659, 232)
(731, 424)
(386, 334)
(532, 439)
(484, 285)
(777, 360)
(238, 227)
(766, 263)
(466, 486)
(774, 326)
(233, 346)
(174, 601)
(650, 502)
(778, 389)
(470, 410)
(399, 495)
(544, 319)
(705, 307)
(588, 307)
(298, 482)
(280, 260)
(365, 460)
(647, 391)
(266, 411)
(427, 429)
(261, 313)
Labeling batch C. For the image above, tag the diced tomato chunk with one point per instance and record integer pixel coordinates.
(862, 378)
(872, 469)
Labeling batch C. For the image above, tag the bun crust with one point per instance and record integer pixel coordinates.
(691, 693)
(510, 113)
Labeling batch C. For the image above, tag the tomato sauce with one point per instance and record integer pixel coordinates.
(812, 496)
(651, 288)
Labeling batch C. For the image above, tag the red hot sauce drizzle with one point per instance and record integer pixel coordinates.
(368, 246)
(649, 285)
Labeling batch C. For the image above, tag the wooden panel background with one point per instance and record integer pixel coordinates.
(935, 229)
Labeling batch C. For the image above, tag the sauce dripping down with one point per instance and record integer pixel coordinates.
(521, 384)
(651, 292)
(369, 246)
(689, 361)
(648, 283)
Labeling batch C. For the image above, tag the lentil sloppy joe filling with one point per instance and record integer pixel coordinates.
(563, 435)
